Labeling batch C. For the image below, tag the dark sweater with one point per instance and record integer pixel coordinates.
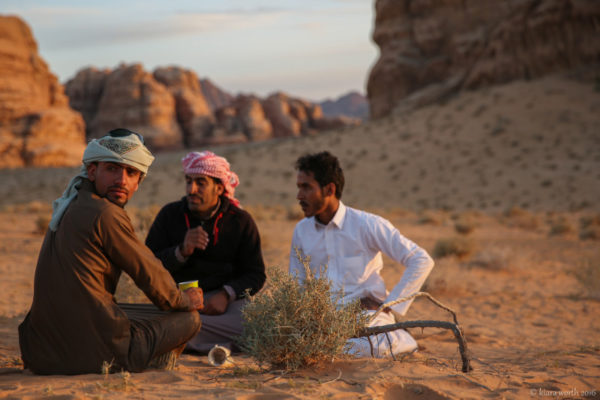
(233, 256)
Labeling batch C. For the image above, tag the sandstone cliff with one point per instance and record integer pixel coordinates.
(194, 115)
(128, 97)
(171, 108)
(430, 49)
(215, 96)
(37, 127)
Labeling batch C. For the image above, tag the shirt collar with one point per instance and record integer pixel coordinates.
(337, 220)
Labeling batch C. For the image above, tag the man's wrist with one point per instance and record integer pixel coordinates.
(231, 296)
(179, 255)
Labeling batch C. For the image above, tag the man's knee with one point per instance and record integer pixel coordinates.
(187, 324)
(195, 321)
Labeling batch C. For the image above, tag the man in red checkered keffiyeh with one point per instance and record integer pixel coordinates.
(210, 164)
(206, 237)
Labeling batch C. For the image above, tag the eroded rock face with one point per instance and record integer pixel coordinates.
(85, 91)
(194, 115)
(228, 128)
(253, 120)
(170, 108)
(277, 109)
(133, 99)
(432, 48)
(215, 96)
(37, 127)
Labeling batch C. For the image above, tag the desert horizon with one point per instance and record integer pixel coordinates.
(525, 144)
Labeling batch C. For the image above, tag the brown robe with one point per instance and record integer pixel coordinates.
(74, 323)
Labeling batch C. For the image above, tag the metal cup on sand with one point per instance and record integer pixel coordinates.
(220, 356)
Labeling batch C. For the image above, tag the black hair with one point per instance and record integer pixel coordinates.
(325, 168)
(122, 132)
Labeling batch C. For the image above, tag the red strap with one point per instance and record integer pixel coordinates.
(187, 220)
(216, 228)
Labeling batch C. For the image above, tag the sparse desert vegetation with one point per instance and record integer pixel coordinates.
(506, 292)
(292, 324)
(476, 169)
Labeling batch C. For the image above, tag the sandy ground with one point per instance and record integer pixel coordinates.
(528, 300)
(527, 294)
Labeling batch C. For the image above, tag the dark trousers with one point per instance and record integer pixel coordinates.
(155, 332)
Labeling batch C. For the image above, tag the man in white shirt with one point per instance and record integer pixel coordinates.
(350, 242)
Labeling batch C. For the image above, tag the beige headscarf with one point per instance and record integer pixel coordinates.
(120, 146)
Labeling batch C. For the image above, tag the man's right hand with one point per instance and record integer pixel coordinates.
(195, 238)
(196, 298)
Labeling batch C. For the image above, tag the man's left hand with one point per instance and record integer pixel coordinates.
(216, 304)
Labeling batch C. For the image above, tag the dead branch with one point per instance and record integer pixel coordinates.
(412, 296)
(458, 334)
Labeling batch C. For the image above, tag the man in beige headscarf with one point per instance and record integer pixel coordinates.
(74, 325)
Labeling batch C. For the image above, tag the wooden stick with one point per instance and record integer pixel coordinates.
(412, 296)
(458, 334)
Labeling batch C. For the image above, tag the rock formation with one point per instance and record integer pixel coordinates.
(277, 110)
(352, 104)
(215, 96)
(251, 115)
(37, 127)
(193, 113)
(430, 49)
(170, 107)
(133, 99)
(85, 92)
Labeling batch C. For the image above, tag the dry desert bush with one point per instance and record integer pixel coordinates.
(41, 223)
(590, 233)
(433, 217)
(464, 225)
(590, 227)
(493, 259)
(520, 218)
(561, 226)
(292, 324)
(459, 246)
(587, 272)
(43, 212)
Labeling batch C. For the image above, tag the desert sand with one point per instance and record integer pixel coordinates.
(518, 165)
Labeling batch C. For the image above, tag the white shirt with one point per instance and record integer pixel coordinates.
(350, 246)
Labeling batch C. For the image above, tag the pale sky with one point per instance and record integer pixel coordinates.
(315, 49)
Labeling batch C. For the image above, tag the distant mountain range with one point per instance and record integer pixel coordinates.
(352, 104)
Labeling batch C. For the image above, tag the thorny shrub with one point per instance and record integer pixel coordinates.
(458, 246)
(294, 323)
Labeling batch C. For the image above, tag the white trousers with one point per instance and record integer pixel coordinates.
(401, 341)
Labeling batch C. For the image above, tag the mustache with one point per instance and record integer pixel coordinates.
(118, 187)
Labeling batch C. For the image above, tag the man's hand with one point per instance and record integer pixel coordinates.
(195, 238)
(196, 298)
(369, 303)
(217, 303)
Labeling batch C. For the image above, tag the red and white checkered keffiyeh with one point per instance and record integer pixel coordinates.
(209, 164)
